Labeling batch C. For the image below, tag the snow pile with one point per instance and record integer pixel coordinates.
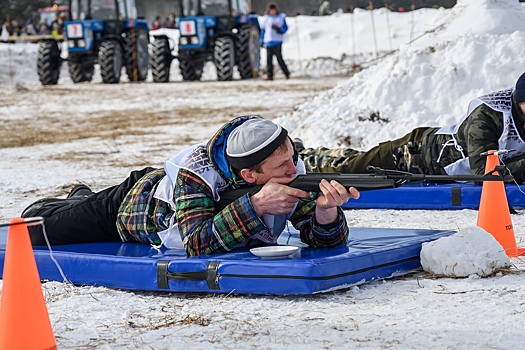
(349, 34)
(469, 251)
(429, 82)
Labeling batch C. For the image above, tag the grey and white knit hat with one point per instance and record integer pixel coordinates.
(253, 141)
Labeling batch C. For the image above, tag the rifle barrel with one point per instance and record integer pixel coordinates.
(452, 178)
(363, 182)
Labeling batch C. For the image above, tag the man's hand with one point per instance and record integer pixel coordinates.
(277, 29)
(334, 195)
(276, 198)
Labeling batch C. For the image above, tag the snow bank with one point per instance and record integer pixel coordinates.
(18, 64)
(467, 252)
(340, 34)
(429, 82)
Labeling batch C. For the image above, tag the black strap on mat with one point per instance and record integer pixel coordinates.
(210, 275)
(456, 196)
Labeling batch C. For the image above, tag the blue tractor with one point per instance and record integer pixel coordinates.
(221, 31)
(106, 32)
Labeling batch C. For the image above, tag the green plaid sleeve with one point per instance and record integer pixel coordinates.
(141, 215)
(203, 229)
(314, 234)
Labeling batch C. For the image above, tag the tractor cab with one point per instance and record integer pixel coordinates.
(103, 10)
(221, 31)
(50, 14)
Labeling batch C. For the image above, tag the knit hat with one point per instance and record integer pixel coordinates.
(253, 141)
(519, 94)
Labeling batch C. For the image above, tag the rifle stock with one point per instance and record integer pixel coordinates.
(379, 179)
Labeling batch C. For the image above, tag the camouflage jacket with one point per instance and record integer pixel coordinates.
(478, 133)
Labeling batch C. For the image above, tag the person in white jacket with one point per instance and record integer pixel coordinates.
(272, 32)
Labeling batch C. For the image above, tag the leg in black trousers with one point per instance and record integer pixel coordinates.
(269, 62)
(277, 51)
(78, 220)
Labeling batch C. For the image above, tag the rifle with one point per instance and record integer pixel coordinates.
(378, 178)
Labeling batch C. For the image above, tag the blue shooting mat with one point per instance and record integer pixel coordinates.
(431, 196)
(371, 254)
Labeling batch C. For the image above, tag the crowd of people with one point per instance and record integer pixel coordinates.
(15, 28)
(169, 22)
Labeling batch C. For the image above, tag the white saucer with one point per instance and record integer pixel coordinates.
(274, 251)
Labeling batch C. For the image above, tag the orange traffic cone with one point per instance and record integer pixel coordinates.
(24, 320)
(494, 214)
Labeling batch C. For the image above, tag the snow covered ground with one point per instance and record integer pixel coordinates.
(54, 137)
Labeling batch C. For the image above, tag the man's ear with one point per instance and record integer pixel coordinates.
(247, 175)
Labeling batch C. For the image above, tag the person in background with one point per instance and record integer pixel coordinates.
(324, 9)
(16, 28)
(169, 22)
(272, 31)
(43, 28)
(58, 25)
(6, 30)
(55, 30)
(156, 24)
(495, 121)
(30, 28)
(177, 205)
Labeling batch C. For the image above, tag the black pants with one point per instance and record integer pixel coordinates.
(79, 220)
(270, 52)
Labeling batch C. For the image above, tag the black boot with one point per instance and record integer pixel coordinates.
(80, 191)
(34, 208)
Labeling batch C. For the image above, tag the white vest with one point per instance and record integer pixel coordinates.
(270, 35)
(500, 101)
(196, 160)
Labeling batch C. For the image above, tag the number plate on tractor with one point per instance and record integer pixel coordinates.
(74, 31)
(187, 28)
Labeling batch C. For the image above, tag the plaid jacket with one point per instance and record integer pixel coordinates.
(203, 229)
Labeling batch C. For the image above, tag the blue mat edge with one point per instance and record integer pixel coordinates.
(431, 196)
(141, 273)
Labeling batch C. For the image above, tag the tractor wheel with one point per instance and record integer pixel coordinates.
(248, 52)
(224, 57)
(81, 69)
(110, 61)
(48, 62)
(141, 55)
(191, 71)
(160, 61)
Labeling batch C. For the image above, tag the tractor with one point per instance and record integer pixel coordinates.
(221, 31)
(106, 32)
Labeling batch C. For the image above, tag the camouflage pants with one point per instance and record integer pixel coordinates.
(348, 160)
